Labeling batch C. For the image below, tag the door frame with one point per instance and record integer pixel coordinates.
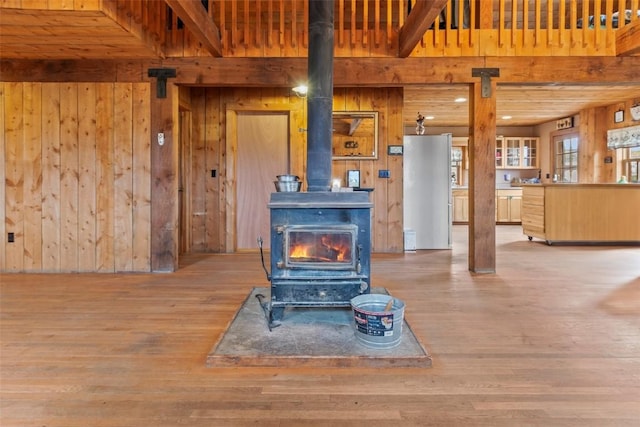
(231, 150)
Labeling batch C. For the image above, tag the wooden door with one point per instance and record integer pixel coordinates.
(262, 154)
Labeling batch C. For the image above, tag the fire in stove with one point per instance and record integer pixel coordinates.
(309, 246)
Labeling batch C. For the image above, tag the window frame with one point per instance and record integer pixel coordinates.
(566, 173)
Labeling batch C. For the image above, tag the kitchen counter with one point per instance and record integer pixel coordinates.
(586, 213)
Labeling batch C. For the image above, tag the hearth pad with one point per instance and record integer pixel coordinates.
(318, 337)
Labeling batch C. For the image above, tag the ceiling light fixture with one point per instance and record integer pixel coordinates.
(506, 117)
(460, 99)
(300, 90)
(429, 117)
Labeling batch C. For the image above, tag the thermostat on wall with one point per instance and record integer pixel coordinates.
(394, 150)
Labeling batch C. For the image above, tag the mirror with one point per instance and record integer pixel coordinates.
(355, 134)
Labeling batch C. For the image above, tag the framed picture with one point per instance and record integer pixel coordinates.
(353, 179)
(618, 116)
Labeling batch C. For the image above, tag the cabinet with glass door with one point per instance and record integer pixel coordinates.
(517, 152)
(499, 152)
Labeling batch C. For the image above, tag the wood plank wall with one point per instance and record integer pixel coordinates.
(77, 177)
(76, 168)
(210, 202)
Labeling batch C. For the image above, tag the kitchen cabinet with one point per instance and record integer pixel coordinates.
(517, 152)
(460, 205)
(509, 205)
(581, 212)
(499, 152)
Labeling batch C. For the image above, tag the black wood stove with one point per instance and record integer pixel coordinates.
(320, 249)
(320, 240)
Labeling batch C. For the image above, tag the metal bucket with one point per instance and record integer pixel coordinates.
(375, 327)
(288, 186)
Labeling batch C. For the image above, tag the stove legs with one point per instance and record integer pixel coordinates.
(276, 314)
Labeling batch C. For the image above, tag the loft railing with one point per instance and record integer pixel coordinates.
(250, 28)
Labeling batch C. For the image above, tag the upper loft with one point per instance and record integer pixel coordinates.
(156, 29)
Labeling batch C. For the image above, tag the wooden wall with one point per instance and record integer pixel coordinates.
(211, 201)
(594, 124)
(76, 167)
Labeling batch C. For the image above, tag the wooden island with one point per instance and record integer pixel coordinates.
(582, 213)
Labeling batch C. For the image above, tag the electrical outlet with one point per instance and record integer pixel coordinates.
(213, 173)
(383, 173)
(11, 237)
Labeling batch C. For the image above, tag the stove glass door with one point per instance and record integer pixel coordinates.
(322, 247)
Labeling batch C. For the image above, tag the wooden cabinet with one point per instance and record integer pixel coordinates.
(499, 152)
(517, 152)
(508, 205)
(533, 211)
(582, 212)
(460, 205)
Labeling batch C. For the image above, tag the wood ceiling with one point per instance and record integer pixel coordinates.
(526, 104)
(94, 34)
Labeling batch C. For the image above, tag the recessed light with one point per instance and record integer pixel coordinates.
(506, 117)
(461, 99)
(429, 118)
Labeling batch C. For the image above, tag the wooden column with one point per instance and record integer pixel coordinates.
(482, 179)
(164, 180)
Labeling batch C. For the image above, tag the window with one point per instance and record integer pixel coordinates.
(566, 157)
(631, 165)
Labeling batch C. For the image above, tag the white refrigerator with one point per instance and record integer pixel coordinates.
(427, 190)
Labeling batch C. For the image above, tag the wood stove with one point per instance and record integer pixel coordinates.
(320, 240)
(320, 249)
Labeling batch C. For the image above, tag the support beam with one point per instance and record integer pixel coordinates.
(628, 39)
(195, 18)
(423, 14)
(164, 181)
(362, 72)
(482, 179)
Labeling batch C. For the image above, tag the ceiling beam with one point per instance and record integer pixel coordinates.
(348, 72)
(199, 23)
(423, 14)
(628, 39)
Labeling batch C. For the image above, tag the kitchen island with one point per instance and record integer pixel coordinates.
(582, 213)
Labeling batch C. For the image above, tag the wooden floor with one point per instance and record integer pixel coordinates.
(551, 339)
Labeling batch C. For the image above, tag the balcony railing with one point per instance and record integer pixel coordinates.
(464, 28)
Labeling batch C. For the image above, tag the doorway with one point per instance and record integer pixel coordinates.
(262, 154)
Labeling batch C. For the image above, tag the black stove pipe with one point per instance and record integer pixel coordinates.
(320, 95)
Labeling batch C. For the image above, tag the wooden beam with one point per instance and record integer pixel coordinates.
(423, 14)
(628, 39)
(195, 18)
(354, 126)
(164, 180)
(482, 179)
(360, 72)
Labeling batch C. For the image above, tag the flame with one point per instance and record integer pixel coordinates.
(300, 251)
(326, 248)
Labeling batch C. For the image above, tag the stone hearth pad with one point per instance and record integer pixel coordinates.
(318, 337)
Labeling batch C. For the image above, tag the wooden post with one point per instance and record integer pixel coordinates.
(482, 179)
(164, 180)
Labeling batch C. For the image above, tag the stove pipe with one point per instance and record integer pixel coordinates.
(320, 95)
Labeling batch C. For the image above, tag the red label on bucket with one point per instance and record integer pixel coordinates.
(374, 324)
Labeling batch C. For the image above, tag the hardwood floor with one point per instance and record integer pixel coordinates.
(551, 339)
